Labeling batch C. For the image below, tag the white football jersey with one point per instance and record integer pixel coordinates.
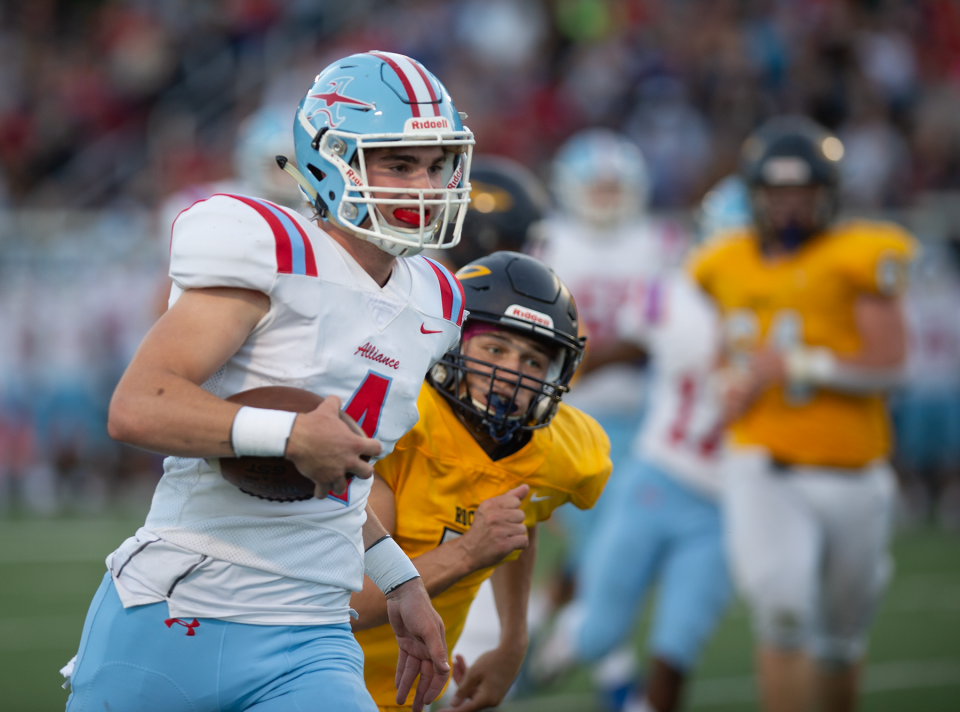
(933, 325)
(602, 268)
(679, 327)
(331, 330)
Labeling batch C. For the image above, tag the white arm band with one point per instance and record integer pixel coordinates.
(818, 366)
(260, 432)
(387, 565)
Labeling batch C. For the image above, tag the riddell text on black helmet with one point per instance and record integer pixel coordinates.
(516, 293)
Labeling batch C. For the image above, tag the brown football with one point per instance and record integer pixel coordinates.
(274, 478)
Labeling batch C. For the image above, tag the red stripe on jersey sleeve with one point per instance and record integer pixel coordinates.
(446, 294)
(310, 262)
(284, 249)
(463, 300)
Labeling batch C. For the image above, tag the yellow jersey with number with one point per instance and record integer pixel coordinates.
(808, 298)
(439, 476)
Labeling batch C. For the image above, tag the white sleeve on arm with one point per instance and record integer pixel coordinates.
(222, 242)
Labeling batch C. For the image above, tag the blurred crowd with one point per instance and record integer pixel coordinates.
(111, 106)
(129, 100)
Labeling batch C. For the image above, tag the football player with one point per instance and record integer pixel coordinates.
(261, 136)
(662, 514)
(223, 600)
(814, 335)
(604, 247)
(661, 522)
(494, 452)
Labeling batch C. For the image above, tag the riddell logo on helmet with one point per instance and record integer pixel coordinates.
(354, 177)
(532, 315)
(457, 175)
(437, 123)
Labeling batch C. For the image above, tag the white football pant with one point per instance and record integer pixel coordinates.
(808, 548)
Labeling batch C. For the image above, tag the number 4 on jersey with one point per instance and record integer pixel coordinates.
(366, 403)
(365, 406)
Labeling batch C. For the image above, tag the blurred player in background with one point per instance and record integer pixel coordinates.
(227, 600)
(726, 206)
(662, 521)
(494, 452)
(603, 245)
(261, 137)
(814, 335)
(927, 410)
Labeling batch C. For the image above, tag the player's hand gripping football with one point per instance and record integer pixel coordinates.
(326, 450)
(485, 683)
(423, 646)
(497, 529)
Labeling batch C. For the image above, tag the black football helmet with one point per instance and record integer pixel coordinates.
(505, 200)
(792, 151)
(519, 293)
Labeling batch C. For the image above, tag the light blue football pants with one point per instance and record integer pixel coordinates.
(654, 528)
(131, 660)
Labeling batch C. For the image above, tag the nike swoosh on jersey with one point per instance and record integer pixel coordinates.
(425, 330)
(535, 497)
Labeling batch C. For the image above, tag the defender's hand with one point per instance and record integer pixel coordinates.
(325, 449)
(485, 683)
(423, 646)
(497, 529)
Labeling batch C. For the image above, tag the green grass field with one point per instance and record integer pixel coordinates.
(49, 570)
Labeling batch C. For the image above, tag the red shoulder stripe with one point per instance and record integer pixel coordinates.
(284, 249)
(309, 259)
(463, 299)
(446, 294)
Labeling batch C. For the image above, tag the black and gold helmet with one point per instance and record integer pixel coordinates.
(790, 151)
(518, 293)
(506, 198)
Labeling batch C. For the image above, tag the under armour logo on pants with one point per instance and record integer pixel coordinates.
(189, 626)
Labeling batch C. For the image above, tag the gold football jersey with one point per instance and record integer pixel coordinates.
(806, 298)
(439, 476)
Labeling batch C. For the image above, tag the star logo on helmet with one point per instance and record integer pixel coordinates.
(328, 102)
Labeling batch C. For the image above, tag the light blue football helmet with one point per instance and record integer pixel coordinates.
(381, 100)
(726, 206)
(597, 157)
(263, 136)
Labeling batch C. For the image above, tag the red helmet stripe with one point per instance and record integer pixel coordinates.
(433, 95)
(408, 87)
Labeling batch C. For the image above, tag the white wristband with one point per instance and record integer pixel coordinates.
(811, 365)
(387, 565)
(260, 432)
